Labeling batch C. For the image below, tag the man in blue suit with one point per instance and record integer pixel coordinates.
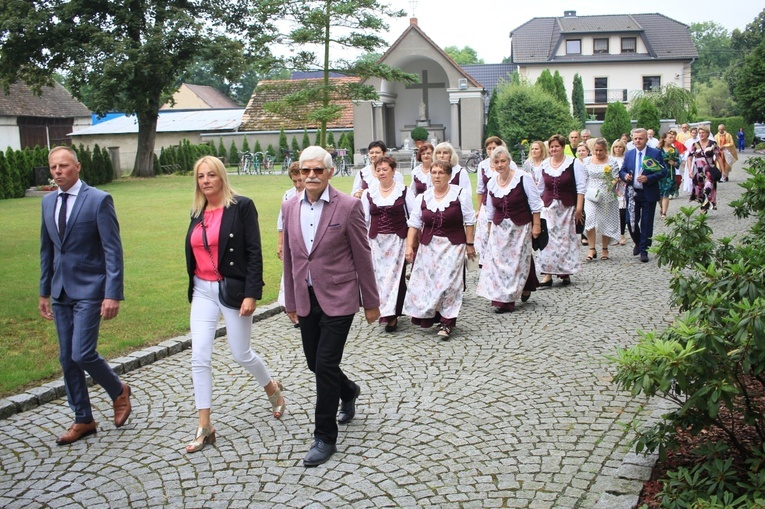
(81, 282)
(642, 169)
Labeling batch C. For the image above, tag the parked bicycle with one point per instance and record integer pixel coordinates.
(343, 164)
(269, 163)
(245, 164)
(473, 160)
(287, 161)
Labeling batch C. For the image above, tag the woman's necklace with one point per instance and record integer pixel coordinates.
(556, 164)
(387, 189)
(435, 195)
(507, 180)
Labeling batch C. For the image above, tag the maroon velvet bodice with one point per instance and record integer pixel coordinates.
(389, 218)
(514, 206)
(561, 188)
(447, 223)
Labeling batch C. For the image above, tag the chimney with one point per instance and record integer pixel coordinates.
(413, 21)
(569, 14)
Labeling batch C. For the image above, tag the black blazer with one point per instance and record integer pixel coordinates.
(239, 252)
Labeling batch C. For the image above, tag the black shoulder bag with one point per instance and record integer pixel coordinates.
(230, 289)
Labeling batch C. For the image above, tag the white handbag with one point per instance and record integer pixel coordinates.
(594, 195)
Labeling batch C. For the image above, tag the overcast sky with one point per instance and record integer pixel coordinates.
(485, 25)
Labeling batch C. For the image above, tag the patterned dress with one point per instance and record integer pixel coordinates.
(667, 186)
(508, 263)
(603, 215)
(561, 256)
(386, 220)
(435, 286)
(482, 223)
(704, 183)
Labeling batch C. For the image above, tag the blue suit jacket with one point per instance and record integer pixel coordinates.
(87, 263)
(650, 188)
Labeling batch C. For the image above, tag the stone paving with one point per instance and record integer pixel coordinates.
(516, 410)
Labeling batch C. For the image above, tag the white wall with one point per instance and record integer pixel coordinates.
(9, 134)
(627, 75)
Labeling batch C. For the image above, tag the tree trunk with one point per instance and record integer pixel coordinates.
(147, 135)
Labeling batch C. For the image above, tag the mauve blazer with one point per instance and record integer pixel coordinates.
(239, 251)
(340, 263)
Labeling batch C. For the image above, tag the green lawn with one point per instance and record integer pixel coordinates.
(154, 216)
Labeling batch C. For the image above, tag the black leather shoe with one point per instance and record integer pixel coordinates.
(525, 296)
(319, 453)
(636, 250)
(644, 257)
(348, 408)
(391, 326)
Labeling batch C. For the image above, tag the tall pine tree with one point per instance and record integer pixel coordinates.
(577, 100)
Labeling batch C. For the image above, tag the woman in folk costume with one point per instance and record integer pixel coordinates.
(441, 234)
(485, 172)
(513, 207)
(562, 188)
(386, 209)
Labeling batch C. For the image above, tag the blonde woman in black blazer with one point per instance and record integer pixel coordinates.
(223, 241)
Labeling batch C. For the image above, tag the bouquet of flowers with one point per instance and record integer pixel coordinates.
(672, 157)
(614, 180)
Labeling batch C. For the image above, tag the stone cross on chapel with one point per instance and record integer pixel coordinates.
(425, 85)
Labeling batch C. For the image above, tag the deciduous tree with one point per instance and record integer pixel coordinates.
(464, 56)
(131, 54)
(529, 113)
(750, 87)
(713, 43)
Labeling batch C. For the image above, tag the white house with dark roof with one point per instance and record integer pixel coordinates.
(616, 55)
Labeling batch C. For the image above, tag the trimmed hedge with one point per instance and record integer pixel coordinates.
(17, 168)
(732, 125)
(181, 158)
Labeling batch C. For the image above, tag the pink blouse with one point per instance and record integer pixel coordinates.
(205, 269)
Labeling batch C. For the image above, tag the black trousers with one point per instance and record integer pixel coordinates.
(323, 344)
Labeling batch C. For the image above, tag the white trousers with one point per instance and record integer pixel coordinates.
(205, 312)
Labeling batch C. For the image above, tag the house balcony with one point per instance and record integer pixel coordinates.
(605, 96)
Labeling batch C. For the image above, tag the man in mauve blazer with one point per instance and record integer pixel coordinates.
(81, 282)
(328, 275)
(646, 187)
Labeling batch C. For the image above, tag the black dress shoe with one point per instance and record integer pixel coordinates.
(644, 257)
(348, 408)
(525, 296)
(547, 283)
(319, 453)
(636, 250)
(391, 326)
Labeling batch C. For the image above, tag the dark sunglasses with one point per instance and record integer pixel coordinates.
(307, 171)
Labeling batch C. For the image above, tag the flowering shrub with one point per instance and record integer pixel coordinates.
(713, 356)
